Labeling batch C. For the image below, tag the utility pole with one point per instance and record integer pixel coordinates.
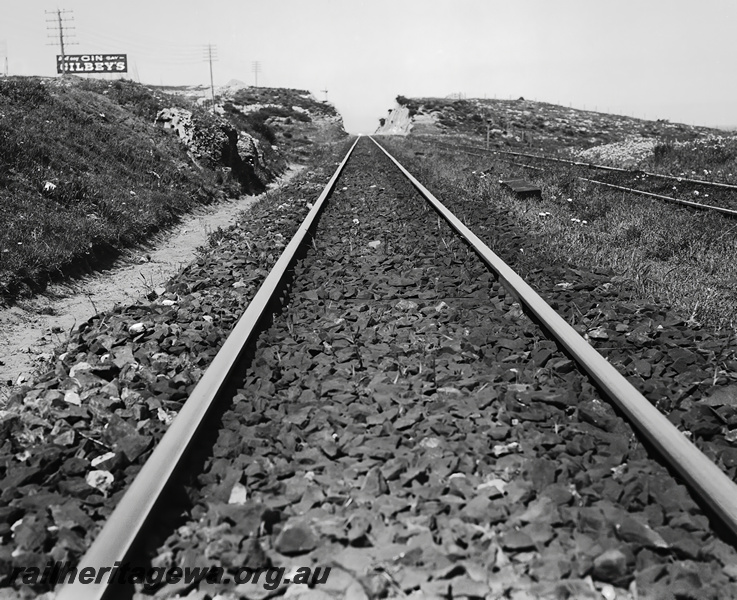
(4, 54)
(210, 55)
(58, 23)
(326, 94)
(256, 68)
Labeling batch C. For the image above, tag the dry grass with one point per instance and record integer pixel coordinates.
(531, 125)
(672, 255)
(83, 174)
(713, 158)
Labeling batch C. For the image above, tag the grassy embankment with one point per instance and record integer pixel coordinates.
(527, 125)
(84, 173)
(675, 256)
(291, 119)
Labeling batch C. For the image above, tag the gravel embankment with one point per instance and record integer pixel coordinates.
(406, 425)
(73, 438)
(688, 371)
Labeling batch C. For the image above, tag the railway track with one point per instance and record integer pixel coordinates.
(386, 409)
(683, 191)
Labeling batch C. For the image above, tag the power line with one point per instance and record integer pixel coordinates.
(210, 55)
(179, 52)
(58, 25)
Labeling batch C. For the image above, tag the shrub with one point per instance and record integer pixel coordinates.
(662, 152)
(30, 93)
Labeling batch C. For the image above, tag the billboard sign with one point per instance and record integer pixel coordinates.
(92, 63)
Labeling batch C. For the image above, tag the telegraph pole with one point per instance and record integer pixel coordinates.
(210, 55)
(256, 68)
(58, 24)
(326, 94)
(4, 54)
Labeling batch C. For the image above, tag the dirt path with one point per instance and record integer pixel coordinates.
(31, 329)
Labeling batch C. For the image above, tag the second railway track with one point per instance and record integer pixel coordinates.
(405, 424)
(692, 193)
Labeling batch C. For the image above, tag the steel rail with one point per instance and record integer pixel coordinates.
(725, 211)
(719, 209)
(124, 526)
(709, 482)
(576, 163)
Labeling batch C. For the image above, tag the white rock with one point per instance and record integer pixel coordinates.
(499, 484)
(238, 495)
(100, 480)
(81, 366)
(503, 449)
(598, 333)
(450, 390)
(101, 459)
(137, 328)
(406, 305)
(165, 416)
(430, 442)
(71, 397)
(608, 592)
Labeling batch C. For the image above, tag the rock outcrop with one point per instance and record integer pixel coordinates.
(401, 120)
(221, 145)
(397, 122)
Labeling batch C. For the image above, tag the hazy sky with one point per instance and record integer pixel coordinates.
(669, 59)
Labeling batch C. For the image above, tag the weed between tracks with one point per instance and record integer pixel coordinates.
(712, 158)
(669, 255)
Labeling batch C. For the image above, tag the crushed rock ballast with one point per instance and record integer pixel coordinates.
(405, 424)
(72, 439)
(402, 423)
